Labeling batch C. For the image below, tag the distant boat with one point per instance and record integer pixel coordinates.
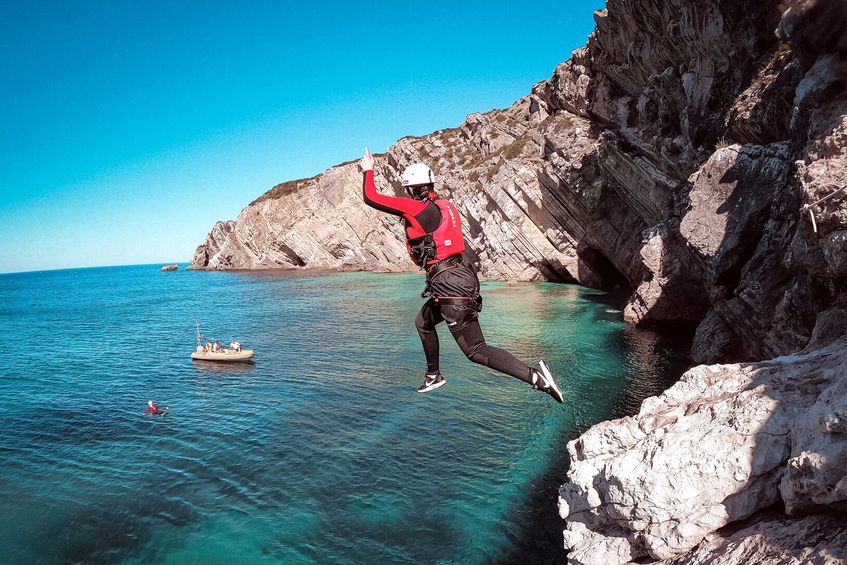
(225, 354)
(171, 267)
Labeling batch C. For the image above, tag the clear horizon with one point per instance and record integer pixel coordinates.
(130, 130)
(154, 264)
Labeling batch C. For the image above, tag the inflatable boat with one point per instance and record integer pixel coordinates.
(227, 355)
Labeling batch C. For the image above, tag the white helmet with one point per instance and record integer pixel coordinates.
(416, 174)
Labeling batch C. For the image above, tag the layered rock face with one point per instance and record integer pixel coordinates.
(671, 155)
(489, 167)
(741, 463)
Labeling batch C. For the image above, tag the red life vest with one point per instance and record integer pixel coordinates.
(446, 241)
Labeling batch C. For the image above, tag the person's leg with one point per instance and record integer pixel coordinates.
(462, 320)
(472, 343)
(464, 325)
(425, 322)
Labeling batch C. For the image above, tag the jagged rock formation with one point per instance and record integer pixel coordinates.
(757, 121)
(322, 222)
(773, 540)
(724, 443)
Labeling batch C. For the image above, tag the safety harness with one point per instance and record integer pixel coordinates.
(441, 250)
(440, 268)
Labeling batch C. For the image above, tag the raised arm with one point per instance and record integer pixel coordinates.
(396, 205)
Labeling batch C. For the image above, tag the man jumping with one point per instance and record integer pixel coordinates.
(435, 243)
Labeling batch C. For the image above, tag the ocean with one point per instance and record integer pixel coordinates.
(321, 451)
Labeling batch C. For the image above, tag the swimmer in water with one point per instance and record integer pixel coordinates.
(153, 409)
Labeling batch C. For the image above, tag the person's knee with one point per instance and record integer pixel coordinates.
(478, 357)
(475, 354)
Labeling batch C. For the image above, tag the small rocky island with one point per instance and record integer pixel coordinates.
(695, 153)
(171, 267)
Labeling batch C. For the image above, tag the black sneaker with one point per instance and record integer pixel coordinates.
(432, 382)
(543, 380)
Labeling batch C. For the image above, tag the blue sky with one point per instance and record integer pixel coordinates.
(128, 128)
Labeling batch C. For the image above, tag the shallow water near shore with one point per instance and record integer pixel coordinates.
(320, 451)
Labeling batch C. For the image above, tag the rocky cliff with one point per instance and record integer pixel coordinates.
(693, 152)
(740, 463)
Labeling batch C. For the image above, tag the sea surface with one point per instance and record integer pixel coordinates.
(321, 451)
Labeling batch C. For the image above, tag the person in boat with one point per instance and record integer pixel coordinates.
(153, 409)
(234, 345)
(207, 347)
(435, 243)
(216, 347)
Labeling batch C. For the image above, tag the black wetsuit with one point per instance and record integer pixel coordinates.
(454, 279)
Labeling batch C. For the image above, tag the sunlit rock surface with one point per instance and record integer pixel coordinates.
(726, 465)
(774, 540)
(723, 443)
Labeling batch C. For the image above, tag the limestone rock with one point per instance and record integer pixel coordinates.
(208, 254)
(673, 292)
(830, 325)
(490, 167)
(722, 444)
(816, 475)
(774, 540)
(729, 203)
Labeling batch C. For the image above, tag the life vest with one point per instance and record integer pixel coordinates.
(446, 241)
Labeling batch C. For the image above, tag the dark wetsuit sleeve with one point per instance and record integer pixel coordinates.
(389, 204)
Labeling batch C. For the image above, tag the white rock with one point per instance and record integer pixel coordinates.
(720, 445)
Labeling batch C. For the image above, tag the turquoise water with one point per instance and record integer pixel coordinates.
(321, 451)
